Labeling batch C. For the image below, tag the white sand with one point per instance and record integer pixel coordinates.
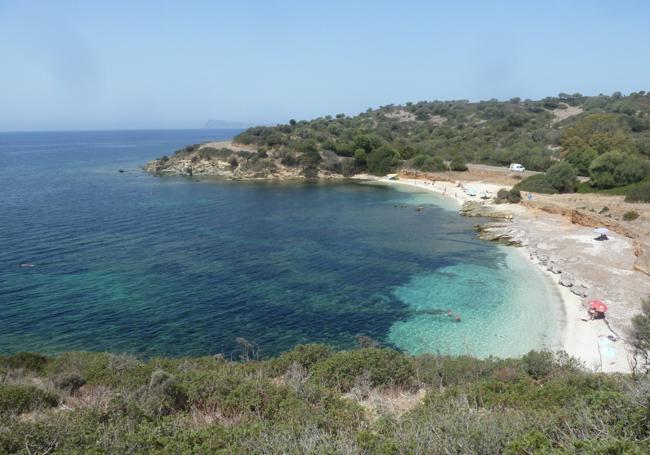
(586, 340)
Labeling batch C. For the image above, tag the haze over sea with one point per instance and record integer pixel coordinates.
(128, 262)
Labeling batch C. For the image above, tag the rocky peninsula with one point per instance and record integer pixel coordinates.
(229, 160)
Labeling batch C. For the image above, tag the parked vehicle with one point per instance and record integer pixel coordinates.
(516, 167)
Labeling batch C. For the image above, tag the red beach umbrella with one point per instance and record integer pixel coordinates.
(598, 305)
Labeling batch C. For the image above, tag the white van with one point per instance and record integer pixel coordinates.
(516, 167)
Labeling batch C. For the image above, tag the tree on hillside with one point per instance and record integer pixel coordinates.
(458, 164)
(429, 163)
(615, 168)
(382, 160)
(360, 159)
(562, 176)
(581, 159)
(366, 142)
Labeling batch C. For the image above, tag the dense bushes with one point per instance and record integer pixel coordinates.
(581, 159)
(639, 194)
(562, 177)
(26, 360)
(304, 355)
(382, 161)
(429, 163)
(458, 164)
(536, 184)
(559, 178)
(314, 400)
(512, 196)
(617, 169)
(384, 366)
(17, 399)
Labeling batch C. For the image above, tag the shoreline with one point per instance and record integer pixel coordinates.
(587, 341)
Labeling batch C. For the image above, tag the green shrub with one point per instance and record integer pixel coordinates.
(512, 196)
(540, 364)
(533, 442)
(536, 184)
(428, 163)
(163, 395)
(562, 177)
(304, 355)
(581, 160)
(258, 397)
(444, 371)
(360, 158)
(382, 160)
(25, 360)
(70, 382)
(630, 215)
(615, 168)
(17, 399)
(639, 194)
(384, 366)
(458, 164)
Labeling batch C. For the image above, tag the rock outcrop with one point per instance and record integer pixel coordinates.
(239, 163)
(498, 232)
(494, 231)
(478, 208)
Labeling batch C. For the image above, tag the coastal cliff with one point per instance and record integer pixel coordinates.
(228, 160)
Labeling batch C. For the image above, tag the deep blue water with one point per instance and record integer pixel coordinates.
(132, 263)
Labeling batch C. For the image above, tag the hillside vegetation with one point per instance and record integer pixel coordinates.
(312, 400)
(575, 128)
(604, 137)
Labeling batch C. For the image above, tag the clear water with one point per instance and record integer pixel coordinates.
(127, 262)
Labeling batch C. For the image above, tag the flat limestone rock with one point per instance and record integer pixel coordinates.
(476, 208)
(499, 233)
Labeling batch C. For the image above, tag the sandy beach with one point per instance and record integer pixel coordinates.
(580, 268)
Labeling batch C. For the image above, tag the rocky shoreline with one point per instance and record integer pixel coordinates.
(236, 162)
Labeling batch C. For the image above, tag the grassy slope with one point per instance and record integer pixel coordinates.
(313, 400)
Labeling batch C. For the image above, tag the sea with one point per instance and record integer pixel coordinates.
(97, 255)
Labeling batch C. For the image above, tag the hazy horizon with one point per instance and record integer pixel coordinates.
(79, 67)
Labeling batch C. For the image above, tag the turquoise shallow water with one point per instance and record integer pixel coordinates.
(131, 263)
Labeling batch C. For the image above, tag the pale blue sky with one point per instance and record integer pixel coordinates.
(140, 64)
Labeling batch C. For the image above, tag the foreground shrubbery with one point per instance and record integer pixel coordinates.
(315, 400)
